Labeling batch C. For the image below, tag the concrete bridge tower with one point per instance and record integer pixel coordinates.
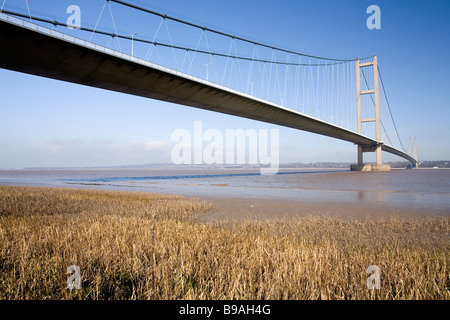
(379, 166)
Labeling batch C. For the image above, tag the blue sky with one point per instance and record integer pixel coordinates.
(51, 123)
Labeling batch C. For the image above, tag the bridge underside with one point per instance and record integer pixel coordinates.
(37, 53)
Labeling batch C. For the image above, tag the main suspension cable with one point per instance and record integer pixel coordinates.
(165, 16)
(389, 107)
(164, 44)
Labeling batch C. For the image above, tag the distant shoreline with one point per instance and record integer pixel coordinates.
(189, 168)
(431, 164)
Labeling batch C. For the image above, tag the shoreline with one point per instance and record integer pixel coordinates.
(241, 207)
(238, 193)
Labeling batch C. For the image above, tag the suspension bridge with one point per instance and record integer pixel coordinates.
(221, 72)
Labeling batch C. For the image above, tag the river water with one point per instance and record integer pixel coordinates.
(421, 190)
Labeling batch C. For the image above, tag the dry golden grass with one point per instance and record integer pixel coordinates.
(149, 246)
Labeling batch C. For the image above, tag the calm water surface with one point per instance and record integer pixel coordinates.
(426, 190)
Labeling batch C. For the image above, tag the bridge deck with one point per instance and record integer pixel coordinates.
(62, 57)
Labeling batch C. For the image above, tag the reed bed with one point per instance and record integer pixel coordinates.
(149, 246)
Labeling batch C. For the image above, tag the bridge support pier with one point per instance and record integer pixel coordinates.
(379, 166)
(370, 167)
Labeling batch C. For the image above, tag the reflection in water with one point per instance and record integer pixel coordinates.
(360, 195)
(380, 197)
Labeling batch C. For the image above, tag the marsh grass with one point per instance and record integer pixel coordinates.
(150, 246)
